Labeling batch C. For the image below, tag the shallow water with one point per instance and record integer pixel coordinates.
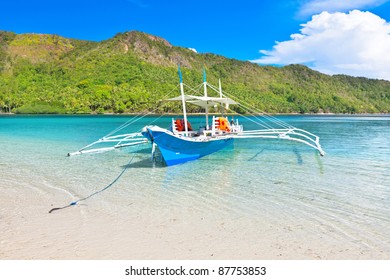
(342, 198)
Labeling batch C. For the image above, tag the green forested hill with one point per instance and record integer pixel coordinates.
(132, 71)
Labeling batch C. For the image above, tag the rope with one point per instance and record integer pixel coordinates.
(266, 126)
(137, 117)
(253, 110)
(194, 89)
(97, 192)
(126, 124)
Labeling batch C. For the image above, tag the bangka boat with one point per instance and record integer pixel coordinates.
(181, 143)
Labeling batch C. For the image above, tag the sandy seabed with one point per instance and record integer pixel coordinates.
(88, 231)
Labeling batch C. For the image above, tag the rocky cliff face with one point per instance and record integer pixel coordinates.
(154, 49)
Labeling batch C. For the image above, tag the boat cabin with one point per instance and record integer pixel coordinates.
(220, 126)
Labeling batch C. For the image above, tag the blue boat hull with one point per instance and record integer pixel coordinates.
(176, 150)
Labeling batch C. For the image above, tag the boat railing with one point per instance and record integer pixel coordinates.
(191, 133)
(236, 128)
(174, 126)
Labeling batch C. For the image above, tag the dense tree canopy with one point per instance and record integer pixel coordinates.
(133, 71)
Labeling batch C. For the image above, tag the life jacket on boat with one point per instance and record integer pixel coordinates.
(223, 124)
(180, 125)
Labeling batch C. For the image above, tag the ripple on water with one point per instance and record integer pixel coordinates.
(345, 194)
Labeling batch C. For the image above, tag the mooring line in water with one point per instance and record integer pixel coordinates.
(95, 193)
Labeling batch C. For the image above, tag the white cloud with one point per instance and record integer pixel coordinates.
(194, 50)
(317, 6)
(356, 43)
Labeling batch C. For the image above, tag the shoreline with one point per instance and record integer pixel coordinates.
(202, 114)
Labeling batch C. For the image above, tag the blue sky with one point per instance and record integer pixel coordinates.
(323, 34)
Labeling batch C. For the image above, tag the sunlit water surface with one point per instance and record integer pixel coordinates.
(346, 193)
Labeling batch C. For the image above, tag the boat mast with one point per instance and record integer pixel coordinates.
(220, 96)
(183, 101)
(220, 88)
(205, 95)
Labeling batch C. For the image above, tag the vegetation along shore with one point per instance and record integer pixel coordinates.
(133, 71)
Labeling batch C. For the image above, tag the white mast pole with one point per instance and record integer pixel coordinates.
(205, 95)
(220, 94)
(183, 101)
(220, 88)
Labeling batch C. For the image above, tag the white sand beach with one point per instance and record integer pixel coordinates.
(136, 231)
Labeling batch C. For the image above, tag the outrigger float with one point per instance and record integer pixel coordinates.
(181, 143)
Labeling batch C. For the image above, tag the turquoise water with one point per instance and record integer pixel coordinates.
(342, 197)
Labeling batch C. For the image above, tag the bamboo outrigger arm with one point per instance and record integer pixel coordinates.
(292, 134)
(119, 141)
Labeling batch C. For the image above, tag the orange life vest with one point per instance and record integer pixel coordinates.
(180, 125)
(224, 124)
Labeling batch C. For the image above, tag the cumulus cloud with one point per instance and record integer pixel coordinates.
(194, 50)
(316, 6)
(355, 43)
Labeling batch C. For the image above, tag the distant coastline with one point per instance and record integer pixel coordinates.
(201, 114)
(51, 74)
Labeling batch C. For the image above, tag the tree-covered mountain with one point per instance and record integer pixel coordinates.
(132, 71)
